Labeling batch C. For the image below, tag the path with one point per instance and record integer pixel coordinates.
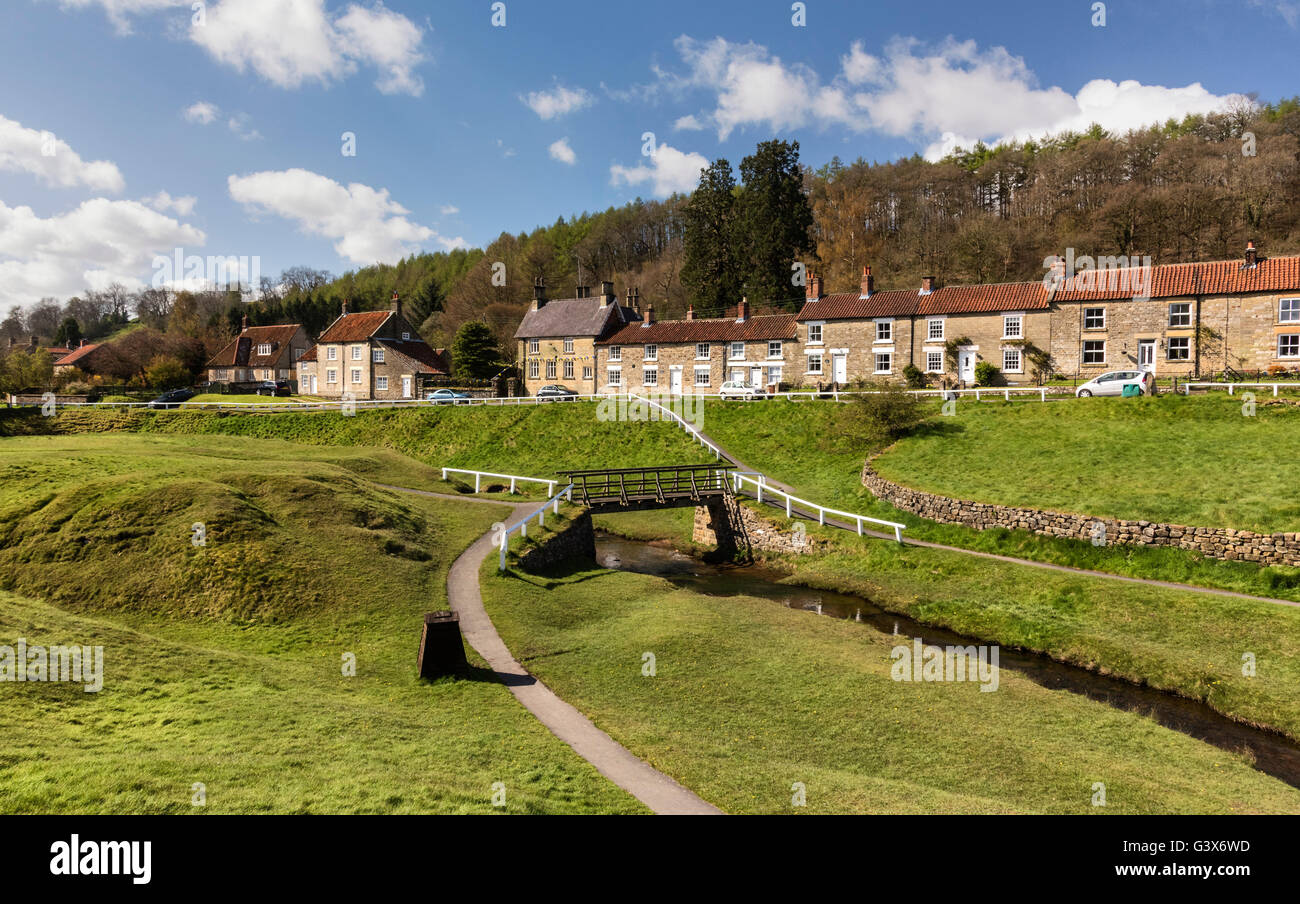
(650, 786)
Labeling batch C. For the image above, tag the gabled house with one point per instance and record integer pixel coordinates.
(89, 358)
(557, 338)
(259, 353)
(371, 355)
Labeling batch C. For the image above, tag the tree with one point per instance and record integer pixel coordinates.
(775, 221)
(69, 333)
(26, 370)
(474, 353)
(711, 265)
(167, 372)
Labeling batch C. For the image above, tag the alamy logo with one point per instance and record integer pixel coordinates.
(930, 663)
(80, 665)
(103, 858)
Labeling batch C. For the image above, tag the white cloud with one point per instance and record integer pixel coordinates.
(943, 96)
(688, 123)
(52, 161)
(163, 202)
(98, 243)
(238, 123)
(366, 225)
(669, 171)
(201, 112)
(293, 42)
(448, 210)
(561, 151)
(557, 102)
(119, 12)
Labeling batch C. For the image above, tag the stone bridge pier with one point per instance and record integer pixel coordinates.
(720, 523)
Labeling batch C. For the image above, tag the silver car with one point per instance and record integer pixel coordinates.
(1113, 383)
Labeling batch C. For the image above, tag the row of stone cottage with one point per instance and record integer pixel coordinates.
(1173, 320)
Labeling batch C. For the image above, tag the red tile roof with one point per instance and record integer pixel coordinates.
(1281, 274)
(666, 332)
(309, 355)
(1022, 296)
(242, 350)
(78, 354)
(354, 327)
(852, 306)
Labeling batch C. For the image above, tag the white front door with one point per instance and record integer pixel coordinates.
(840, 368)
(756, 376)
(1147, 355)
(313, 384)
(675, 380)
(406, 387)
(966, 366)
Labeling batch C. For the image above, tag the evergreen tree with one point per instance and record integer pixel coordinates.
(69, 334)
(474, 352)
(711, 266)
(775, 221)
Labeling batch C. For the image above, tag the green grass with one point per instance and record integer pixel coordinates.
(223, 662)
(812, 447)
(751, 697)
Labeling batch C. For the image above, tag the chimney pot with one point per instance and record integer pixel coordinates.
(690, 312)
(813, 291)
(649, 315)
(243, 323)
(397, 304)
(345, 307)
(742, 310)
(1252, 256)
(868, 283)
(539, 292)
(927, 285)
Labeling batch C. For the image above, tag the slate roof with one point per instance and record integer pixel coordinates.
(574, 317)
(242, 350)
(666, 332)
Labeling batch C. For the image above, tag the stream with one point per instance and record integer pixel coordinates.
(1273, 754)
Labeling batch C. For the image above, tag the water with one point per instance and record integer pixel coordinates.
(1272, 753)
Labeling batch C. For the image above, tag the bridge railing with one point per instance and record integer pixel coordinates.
(634, 485)
(685, 425)
(522, 525)
(479, 475)
(761, 487)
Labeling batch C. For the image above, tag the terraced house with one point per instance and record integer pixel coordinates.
(697, 354)
(371, 355)
(557, 338)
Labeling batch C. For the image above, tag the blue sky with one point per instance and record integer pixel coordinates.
(127, 129)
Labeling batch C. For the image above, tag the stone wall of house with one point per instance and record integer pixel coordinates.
(685, 355)
(1212, 542)
(577, 540)
(553, 364)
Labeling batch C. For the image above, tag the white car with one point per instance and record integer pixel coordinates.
(1113, 383)
(739, 389)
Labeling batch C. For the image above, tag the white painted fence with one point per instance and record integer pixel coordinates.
(761, 487)
(478, 475)
(522, 525)
(695, 434)
(1188, 387)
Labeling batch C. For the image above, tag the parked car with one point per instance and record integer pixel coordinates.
(557, 393)
(739, 389)
(1113, 383)
(274, 388)
(447, 397)
(172, 398)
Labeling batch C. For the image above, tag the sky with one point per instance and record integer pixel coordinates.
(340, 134)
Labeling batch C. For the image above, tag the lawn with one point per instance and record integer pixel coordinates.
(223, 662)
(750, 697)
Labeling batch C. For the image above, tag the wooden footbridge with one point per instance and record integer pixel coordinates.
(631, 489)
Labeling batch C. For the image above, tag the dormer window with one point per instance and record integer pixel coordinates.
(406, 336)
(264, 348)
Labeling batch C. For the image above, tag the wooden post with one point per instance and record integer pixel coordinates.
(442, 652)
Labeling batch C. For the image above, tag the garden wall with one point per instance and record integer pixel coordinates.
(1213, 542)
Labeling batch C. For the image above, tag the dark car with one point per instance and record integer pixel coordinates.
(557, 393)
(172, 398)
(274, 388)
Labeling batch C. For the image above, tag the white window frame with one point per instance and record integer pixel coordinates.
(647, 373)
(1008, 320)
(534, 346)
(1185, 345)
(889, 359)
(616, 353)
(331, 353)
(702, 350)
(933, 368)
(732, 352)
(885, 330)
(1103, 319)
(930, 329)
(1288, 310)
(381, 384)
(377, 355)
(705, 371)
(1083, 353)
(568, 368)
(356, 353)
(774, 343)
(586, 371)
(1019, 354)
(815, 332)
(1187, 313)
(773, 371)
(356, 376)
(406, 335)
(550, 370)
(534, 369)
(1295, 340)
(614, 376)
(264, 349)
(331, 375)
(814, 364)
(650, 353)
(568, 345)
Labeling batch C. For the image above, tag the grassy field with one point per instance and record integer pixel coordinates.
(223, 663)
(813, 447)
(750, 697)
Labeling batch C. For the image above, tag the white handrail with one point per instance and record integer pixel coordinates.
(550, 484)
(1187, 387)
(699, 437)
(522, 524)
(761, 486)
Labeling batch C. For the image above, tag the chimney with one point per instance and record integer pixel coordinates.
(927, 285)
(584, 291)
(539, 293)
(649, 315)
(813, 291)
(634, 301)
(397, 304)
(690, 313)
(243, 323)
(607, 296)
(742, 310)
(345, 308)
(1252, 256)
(868, 283)
(1058, 271)
(83, 342)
